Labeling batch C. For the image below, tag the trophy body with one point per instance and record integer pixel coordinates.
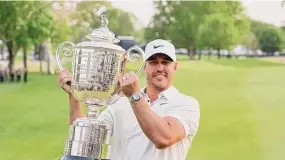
(96, 65)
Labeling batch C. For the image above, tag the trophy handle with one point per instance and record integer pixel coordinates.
(133, 56)
(67, 52)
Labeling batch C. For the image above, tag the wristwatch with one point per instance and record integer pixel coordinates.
(135, 97)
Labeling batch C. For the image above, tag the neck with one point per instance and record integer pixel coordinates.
(153, 93)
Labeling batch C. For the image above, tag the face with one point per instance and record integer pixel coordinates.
(159, 71)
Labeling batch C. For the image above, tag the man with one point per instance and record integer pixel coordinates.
(2, 78)
(18, 74)
(25, 76)
(153, 123)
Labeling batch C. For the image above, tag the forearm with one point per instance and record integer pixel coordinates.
(75, 110)
(157, 129)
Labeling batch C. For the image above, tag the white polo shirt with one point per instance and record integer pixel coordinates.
(129, 141)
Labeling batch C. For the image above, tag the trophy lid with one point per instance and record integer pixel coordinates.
(102, 37)
(103, 33)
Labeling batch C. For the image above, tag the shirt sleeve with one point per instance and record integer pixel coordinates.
(188, 114)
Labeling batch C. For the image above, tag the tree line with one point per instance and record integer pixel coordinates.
(212, 24)
(29, 25)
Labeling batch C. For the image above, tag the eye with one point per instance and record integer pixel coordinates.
(153, 62)
(165, 62)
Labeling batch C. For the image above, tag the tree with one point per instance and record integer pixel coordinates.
(2, 49)
(180, 21)
(41, 28)
(257, 27)
(37, 29)
(187, 18)
(271, 40)
(23, 23)
(121, 22)
(218, 31)
(262, 31)
(177, 21)
(159, 25)
(62, 22)
(224, 25)
(250, 41)
(11, 19)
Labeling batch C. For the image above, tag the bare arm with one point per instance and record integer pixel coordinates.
(162, 131)
(75, 109)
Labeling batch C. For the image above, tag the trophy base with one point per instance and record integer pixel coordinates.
(82, 149)
(88, 139)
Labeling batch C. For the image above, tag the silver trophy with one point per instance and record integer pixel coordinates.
(96, 64)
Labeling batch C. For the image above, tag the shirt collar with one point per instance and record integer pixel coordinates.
(168, 93)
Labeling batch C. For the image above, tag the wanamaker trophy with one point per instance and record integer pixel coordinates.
(96, 64)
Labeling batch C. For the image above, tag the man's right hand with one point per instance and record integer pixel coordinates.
(64, 79)
(76, 111)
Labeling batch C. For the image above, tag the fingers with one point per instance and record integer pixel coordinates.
(64, 81)
(63, 70)
(128, 78)
(128, 83)
(125, 78)
(64, 76)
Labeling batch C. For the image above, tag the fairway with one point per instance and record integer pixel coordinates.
(242, 105)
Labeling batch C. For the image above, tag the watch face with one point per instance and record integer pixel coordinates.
(136, 97)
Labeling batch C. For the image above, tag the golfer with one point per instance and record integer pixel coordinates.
(155, 122)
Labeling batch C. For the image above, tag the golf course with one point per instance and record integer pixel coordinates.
(242, 107)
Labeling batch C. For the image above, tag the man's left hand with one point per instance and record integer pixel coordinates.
(129, 84)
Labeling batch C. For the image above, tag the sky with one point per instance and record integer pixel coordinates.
(269, 11)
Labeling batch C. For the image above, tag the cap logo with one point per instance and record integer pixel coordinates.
(154, 47)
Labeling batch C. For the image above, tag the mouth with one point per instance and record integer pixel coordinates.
(159, 76)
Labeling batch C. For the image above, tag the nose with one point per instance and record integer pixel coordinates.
(159, 67)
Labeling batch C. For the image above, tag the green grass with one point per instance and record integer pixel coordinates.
(241, 101)
(245, 63)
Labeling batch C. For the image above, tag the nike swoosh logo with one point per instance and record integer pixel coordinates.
(154, 47)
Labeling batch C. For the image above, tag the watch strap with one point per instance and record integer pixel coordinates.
(136, 96)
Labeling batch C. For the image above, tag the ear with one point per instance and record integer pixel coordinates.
(175, 66)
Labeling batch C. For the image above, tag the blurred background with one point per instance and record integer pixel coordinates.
(231, 58)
